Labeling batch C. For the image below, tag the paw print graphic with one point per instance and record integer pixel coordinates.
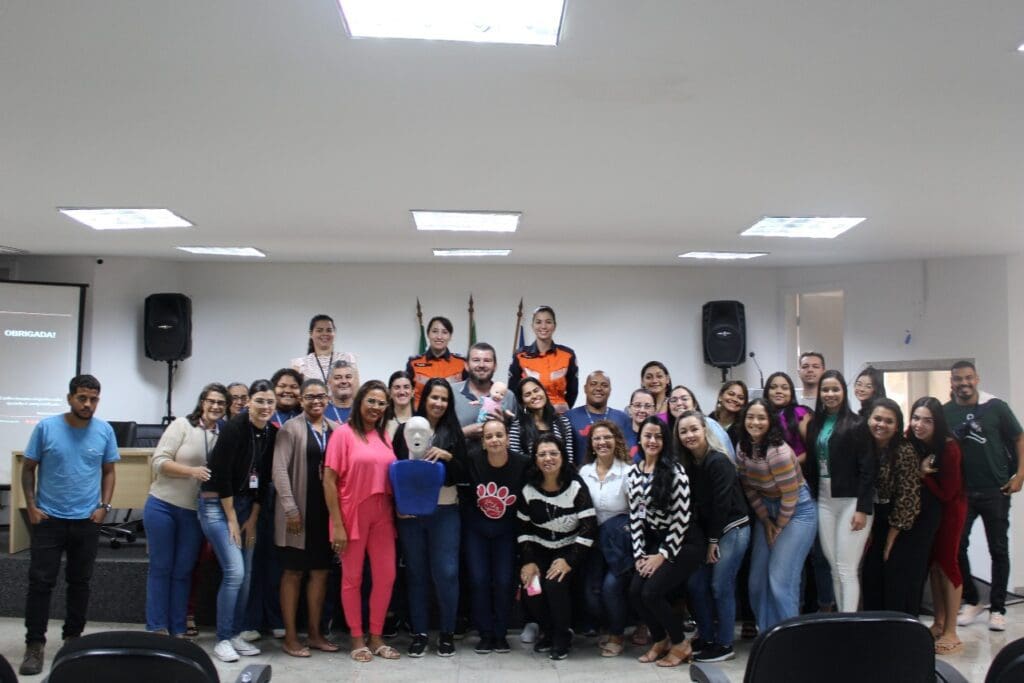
(493, 500)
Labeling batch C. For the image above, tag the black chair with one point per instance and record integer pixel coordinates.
(148, 435)
(1008, 665)
(125, 531)
(841, 648)
(7, 671)
(134, 656)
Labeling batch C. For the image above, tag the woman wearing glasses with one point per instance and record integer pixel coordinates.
(361, 505)
(172, 528)
(301, 519)
(229, 505)
(238, 398)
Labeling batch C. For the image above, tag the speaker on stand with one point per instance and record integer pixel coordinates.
(724, 331)
(167, 329)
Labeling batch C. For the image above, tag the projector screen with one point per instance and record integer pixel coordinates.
(40, 351)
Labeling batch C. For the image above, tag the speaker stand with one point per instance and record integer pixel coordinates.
(169, 417)
(725, 376)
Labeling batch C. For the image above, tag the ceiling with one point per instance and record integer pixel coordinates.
(655, 127)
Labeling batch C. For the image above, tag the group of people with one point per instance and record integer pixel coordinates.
(596, 518)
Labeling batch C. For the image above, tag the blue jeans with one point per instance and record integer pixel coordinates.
(173, 537)
(605, 594)
(430, 547)
(490, 548)
(713, 588)
(775, 571)
(235, 563)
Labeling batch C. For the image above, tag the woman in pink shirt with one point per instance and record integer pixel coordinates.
(360, 503)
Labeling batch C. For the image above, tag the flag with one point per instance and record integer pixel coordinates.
(518, 340)
(472, 324)
(423, 332)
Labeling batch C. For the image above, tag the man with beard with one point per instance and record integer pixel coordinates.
(74, 455)
(469, 395)
(990, 438)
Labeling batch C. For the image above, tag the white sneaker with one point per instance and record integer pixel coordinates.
(279, 633)
(250, 636)
(225, 651)
(996, 622)
(529, 633)
(243, 648)
(970, 614)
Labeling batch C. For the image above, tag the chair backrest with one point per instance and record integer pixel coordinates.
(124, 432)
(844, 648)
(131, 657)
(148, 435)
(1008, 665)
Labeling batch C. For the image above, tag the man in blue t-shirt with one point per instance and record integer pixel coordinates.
(74, 457)
(990, 438)
(597, 389)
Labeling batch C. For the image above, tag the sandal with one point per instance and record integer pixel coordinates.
(677, 655)
(657, 651)
(612, 649)
(301, 652)
(324, 646)
(641, 635)
(190, 627)
(387, 652)
(362, 654)
(945, 647)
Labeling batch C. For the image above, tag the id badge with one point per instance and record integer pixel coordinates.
(642, 512)
(254, 481)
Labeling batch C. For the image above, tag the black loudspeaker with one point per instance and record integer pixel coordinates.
(168, 327)
(725, 333)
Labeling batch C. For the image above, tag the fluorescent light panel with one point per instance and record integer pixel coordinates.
(801, 226)
(466, 221)
(522, 22)
(472, 252)
(723, 255)
(224, 251)
(126, 219)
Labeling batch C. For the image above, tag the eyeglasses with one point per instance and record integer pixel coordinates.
(642, 406)
(263, 401)
(240, 399)
(214, 402)
(315, 398)
(374, 403)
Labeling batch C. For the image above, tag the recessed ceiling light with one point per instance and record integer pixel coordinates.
(522, 22)
(467, 221)
(126, 219)
(1020, 48)
(12, 251)
(224, 251)
(472, 252)
(801, 226)
(723, 255)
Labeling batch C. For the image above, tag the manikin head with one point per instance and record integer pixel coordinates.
(417, 437)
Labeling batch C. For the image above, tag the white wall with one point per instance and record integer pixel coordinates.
(250, 319)
(1015, 332)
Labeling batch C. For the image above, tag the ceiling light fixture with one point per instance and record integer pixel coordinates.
(466, 221)
(126, 219)
(472, 252)
(519, 22)
(825, 227)
(723, 255)
(224, 251)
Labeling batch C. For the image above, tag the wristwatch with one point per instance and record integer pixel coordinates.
(106, 507)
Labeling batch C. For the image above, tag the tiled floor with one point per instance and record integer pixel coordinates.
(584, 664)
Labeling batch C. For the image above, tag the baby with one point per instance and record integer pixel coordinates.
(492, 402)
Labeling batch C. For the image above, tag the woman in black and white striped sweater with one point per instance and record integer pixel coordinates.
(558, 526)
(666, 547)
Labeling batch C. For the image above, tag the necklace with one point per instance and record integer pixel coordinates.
(590, 415)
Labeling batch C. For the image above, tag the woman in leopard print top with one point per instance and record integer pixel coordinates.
(896, 562)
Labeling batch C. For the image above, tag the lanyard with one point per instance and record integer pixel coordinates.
(321, 438)
(337, 414)
(322, 369)
(206, 443)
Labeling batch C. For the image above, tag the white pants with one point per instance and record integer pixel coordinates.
(843, 548)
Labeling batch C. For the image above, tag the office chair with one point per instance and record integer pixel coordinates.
(134, 656)
(852, 647)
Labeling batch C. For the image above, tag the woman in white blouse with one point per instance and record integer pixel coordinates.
(320, 354)
(609, 567)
